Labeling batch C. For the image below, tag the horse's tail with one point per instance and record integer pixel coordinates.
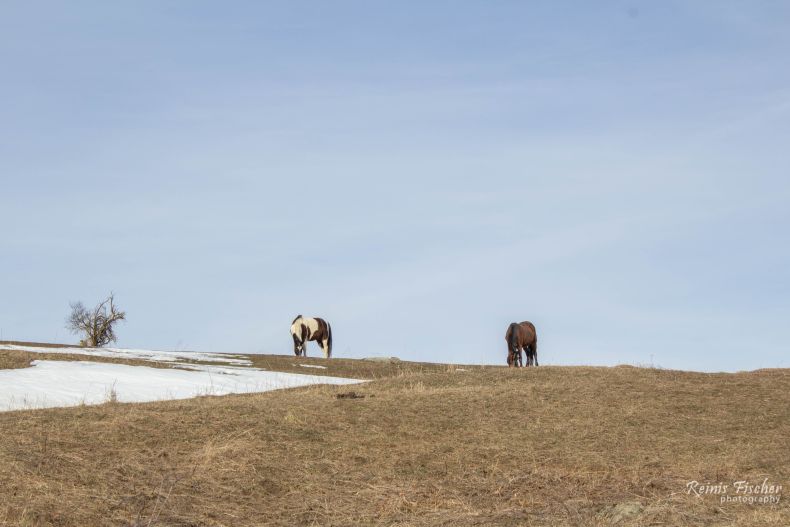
(329, 340)
(535, 349)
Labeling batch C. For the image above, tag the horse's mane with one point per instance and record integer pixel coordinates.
(297, 318)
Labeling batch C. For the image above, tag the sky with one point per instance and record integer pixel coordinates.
(420, 174)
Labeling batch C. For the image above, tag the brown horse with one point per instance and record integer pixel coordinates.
(518, 337)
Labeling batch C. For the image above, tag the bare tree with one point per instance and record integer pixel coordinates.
(95, 324)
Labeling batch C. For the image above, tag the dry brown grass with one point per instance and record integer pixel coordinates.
(538, 446)
(353, 368)
(10, 360)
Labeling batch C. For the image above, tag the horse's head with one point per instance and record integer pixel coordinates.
(296, 333)
(513, 347)
(298, 345)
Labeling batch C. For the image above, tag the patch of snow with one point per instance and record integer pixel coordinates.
(67, 383)
(311, 366)
(149, 355)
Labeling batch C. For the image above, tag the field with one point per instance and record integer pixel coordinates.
(420, 444)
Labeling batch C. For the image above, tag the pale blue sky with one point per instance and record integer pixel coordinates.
(418, 173)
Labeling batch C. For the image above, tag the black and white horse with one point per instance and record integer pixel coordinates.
(304, 329)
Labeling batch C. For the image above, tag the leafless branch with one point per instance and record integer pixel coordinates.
(96, 324)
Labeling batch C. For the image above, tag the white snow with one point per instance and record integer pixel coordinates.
(49, 383)
(311, 366)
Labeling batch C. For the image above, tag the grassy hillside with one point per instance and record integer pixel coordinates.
(419, 445)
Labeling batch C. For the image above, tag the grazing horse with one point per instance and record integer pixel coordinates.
(518, 337)
(317, 329)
